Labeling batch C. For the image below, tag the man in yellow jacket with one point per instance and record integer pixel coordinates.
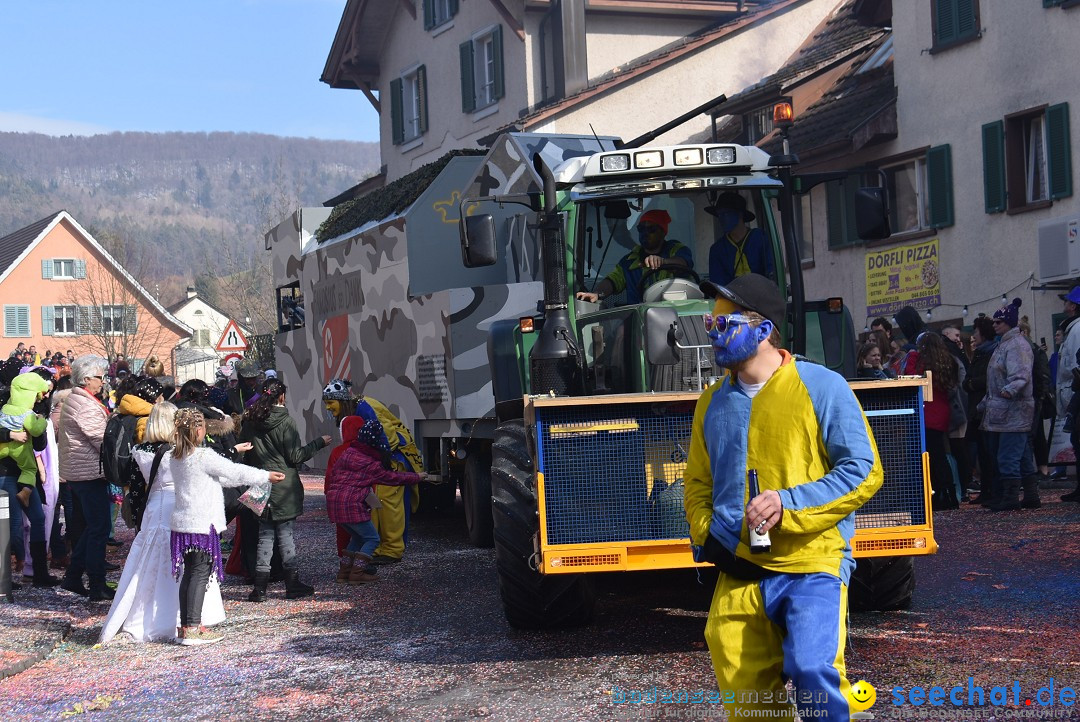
(778, 615)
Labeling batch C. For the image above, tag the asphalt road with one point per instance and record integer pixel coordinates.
(429, 642)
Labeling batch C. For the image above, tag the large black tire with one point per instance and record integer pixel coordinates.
(531, 600)
(476, 498)
(882, 584)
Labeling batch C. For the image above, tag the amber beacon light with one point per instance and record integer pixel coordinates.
(782, 115)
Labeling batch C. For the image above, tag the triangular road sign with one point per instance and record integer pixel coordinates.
(232, 339)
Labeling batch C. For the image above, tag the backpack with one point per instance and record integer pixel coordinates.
(116, 448)
(1041, 387)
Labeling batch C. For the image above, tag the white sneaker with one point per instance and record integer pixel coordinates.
(194, 636)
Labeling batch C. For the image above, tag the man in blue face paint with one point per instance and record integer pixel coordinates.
(654, 250)
(739, 250)
(778, 615)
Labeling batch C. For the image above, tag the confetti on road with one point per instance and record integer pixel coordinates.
(429, 640)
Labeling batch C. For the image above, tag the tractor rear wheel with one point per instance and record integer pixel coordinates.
(476, 497)
(531, 600)
(882, 584)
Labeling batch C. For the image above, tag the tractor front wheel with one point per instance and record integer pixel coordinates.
(531, 600)
(882, 584)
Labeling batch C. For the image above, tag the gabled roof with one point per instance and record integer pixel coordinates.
(841, 116)
(834, 121)
(14, 247)
(179, 306)
(840, 38)
(668, 55)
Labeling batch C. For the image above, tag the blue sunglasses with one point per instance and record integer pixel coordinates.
(720, 323)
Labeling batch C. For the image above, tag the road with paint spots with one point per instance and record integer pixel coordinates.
(428, 641)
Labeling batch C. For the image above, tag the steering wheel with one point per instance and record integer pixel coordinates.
(686, 280)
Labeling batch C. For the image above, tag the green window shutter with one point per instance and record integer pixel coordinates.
(397, 120)
(47, 321)
(421, 90)
(453, 7)
(24, 320)
(945, 21)
(468, 87)
(993, 138)
(851, 226)
(1059, 151)
(131, 320)
(966, 24)
(429, 14)
(11, 320)
(82, 321)
(939, 178)
(1051, 3)
(47, 268)
(497, 51)
(80, 268)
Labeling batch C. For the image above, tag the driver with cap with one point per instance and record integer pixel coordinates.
(781, 614)
(654, 250)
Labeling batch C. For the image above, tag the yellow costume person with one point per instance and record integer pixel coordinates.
(18, 415)
(391, 518)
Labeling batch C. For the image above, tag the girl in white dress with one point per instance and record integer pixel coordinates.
(147, 601)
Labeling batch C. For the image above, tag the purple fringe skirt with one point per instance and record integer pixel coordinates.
(183, 542)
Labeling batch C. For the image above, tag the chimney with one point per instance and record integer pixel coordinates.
(569, 45)
(191, 292)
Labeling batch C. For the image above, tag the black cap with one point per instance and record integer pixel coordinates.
(730, 201)
(753, 292)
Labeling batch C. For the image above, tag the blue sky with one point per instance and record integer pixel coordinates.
(96, 66)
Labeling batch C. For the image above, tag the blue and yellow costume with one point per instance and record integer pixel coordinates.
(391, 519)
(631, 269)
(806, 435)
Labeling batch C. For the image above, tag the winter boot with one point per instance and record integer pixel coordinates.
(99, 590)
(1031, 492)
(73, 583)
(294, 588)
(363, 570)
(40, 559)
(258, 592)
(345, 566)
(1010, 496)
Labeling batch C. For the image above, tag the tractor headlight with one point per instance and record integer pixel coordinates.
(720, 156)
(614, 163)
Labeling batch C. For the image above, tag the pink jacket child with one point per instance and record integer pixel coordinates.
(354, 476)
(349, 484)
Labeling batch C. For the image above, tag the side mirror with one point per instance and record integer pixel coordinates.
(872, 214)
(661, 327)
(478, 241)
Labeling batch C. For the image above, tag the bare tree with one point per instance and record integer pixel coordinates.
(104, 309)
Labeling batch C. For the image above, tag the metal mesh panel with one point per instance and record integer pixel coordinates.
(897, 422)
(614, 473)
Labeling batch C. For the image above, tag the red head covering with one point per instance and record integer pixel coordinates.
(659, 217)
(350, 427)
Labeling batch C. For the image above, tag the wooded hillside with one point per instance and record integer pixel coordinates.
(182, 207)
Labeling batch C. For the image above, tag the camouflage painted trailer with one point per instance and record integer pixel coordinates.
(390, 305)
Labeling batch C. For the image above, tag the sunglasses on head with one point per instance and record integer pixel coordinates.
(720, 323)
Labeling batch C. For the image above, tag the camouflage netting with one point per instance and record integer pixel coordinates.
(386, 201)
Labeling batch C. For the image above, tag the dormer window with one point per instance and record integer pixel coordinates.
(758, 124)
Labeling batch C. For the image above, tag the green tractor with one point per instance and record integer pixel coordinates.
(595, 400)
